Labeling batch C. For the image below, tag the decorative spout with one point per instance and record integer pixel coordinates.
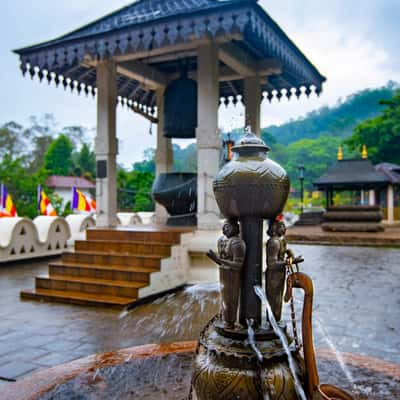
(315, 391)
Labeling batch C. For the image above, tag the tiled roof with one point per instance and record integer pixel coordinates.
(351, 173)
(144, 11)
(137, 13)
(148, 25)
(55, 181)
(391, 171)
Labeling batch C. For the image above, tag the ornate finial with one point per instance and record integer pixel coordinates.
(364, 153)
(248, 129)
(340, 153)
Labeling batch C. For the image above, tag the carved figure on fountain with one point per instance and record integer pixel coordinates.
(278, 255)
(230, 258)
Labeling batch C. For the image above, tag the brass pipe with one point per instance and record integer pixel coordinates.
(314, 390)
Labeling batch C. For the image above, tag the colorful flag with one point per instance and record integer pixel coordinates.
(44, 205)
(7, 208)
(80, 202)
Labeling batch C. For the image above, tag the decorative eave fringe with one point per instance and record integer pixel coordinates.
(60, 62)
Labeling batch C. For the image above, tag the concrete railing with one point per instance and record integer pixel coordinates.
(78, 224)
(126, 219)
(21, 238)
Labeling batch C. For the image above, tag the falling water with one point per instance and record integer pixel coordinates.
(299, 389)
(337, 353)
(123, 313)
(251, 339)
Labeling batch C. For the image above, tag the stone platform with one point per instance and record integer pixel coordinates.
(315, 235)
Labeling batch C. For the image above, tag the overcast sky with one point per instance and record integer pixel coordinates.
(355, 44)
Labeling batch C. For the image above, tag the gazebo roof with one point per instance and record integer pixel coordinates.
(151, 37)
(391, 171)
(351, 174)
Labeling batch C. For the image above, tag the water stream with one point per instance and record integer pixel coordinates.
(337, 353)
(278, 331)
(251, 339)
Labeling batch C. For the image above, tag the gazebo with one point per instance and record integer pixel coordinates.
(389, 197)
(352, 175)
(376, 185)
(233, 49)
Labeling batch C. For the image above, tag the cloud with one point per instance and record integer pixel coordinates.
(354, 43)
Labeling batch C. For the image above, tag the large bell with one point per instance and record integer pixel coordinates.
(180, 109)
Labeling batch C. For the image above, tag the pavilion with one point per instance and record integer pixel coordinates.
(375, 185)
(234, 49)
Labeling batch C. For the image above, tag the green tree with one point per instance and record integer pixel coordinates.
(339, 120)
(21, 184)
(316, 154)
(58, 159)
(11, 140)
(148, 163)
(77, 134)
(185, 159)
(41, 145)
(381, 135)
(134, 190)
(85, 162)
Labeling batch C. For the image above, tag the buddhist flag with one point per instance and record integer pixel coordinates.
(44, 205)
(80, 202)
(7, 208)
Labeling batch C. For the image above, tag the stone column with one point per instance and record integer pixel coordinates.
(390, 204)
(208, 140)
(371, 197)
(164, 155)
(252, 101)
(106, 145)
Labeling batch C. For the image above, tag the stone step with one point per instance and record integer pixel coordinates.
(97, 258)
(145, 236)
(80, 298)
(109, 267)
(90, 285)
(107, 272)
(123, 248)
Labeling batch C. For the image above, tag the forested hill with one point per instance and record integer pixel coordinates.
(338, 121)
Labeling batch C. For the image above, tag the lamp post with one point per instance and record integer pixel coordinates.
(227, 145)
(301, 177)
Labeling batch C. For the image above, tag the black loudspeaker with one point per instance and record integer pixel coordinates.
(101, 169)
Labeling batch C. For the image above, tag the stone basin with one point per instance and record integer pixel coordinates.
(164, 372)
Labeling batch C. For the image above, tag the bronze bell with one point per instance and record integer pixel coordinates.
(180, 108)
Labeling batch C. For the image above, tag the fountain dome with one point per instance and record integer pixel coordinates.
(251, 184)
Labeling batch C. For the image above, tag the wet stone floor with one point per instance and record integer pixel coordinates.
(356, 309)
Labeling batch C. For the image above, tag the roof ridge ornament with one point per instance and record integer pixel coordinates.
(340, 153)
(364, 153)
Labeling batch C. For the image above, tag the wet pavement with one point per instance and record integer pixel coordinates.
(357, 310)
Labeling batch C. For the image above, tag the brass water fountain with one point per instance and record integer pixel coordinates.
(243, 354)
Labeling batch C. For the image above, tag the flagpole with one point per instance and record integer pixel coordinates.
(2, 196)
(39, 191)
(72, 199)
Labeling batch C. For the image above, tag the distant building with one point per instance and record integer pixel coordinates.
(62, 185)
(389, 198)
(377, 185)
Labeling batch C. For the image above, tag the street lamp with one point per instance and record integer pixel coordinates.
(227, 145)
(301, 177)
